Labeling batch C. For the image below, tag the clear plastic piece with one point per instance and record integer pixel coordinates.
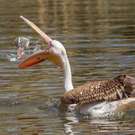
(24, 48)
(22, 42)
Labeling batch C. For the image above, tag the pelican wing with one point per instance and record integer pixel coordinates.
(97, 91)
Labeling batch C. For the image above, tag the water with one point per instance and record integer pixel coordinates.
(100, 40)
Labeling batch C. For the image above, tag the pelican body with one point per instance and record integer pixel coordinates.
(96, 97)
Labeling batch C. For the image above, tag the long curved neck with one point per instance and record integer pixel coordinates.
(67, 75)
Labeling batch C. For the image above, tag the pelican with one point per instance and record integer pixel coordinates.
(96, 97)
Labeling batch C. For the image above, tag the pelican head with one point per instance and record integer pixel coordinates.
(55, 52)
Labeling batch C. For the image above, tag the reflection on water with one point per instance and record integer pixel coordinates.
(74, 126)
(99, 37)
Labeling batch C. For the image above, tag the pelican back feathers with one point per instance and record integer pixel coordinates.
(101, 90)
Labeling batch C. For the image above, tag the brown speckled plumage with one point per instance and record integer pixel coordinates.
(102, 90)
